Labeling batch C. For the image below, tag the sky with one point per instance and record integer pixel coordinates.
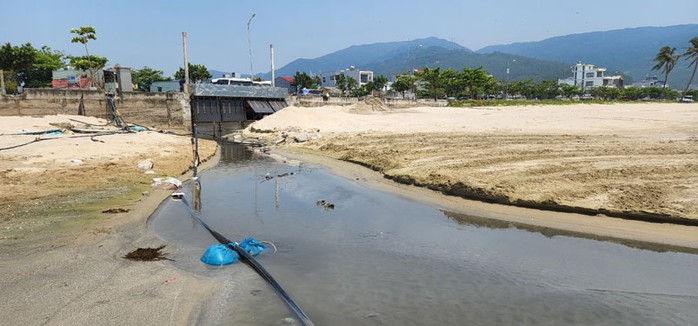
(138, 33)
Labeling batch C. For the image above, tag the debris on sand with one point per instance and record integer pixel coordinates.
(147, 254)
(116, 210)
(169, 183)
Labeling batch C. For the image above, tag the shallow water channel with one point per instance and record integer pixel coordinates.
(382, 259)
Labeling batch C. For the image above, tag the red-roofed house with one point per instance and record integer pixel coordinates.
(285, 82)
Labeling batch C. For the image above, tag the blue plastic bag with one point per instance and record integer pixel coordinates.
(219, 255)
(252, 246)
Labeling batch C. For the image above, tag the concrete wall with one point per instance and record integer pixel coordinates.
(148, 109)
(312, 101)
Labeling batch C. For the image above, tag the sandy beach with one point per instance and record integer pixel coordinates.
(611, 166)
(61, 255)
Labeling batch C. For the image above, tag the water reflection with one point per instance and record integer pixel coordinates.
(477, 221)
(234, 153)
(381, 259)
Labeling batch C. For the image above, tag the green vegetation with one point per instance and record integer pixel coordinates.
(691, 55)
(666, 61)
(88, 62)
(302, 80)
(29, 65)
(197, 73)
(145, 77)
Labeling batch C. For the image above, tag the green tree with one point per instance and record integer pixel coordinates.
(89, 63)
(303, 80)
(352, 86)
(145, 77)
(41, 72)
(478, 82)
(525, 88)
(17, 62)
(691, 55)
(569, 91)
(197, 73)
(340, 81)
(346, 85)
(546, 90)
(83, 35)
(666, 61)
(605, 93)
(26, 64)
(17, 58)
(379, 83)
(404, 83)
(453, 82)
(434, 82)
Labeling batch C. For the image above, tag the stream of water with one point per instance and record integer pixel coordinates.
(382, 259)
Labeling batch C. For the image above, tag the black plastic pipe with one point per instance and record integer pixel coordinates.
(253, 263)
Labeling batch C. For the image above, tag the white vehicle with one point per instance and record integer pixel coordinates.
(232, 81)
(239, 82)
(687, 99)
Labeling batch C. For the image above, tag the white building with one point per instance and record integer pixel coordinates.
(649, 82)
(586, 76)
(362, 77)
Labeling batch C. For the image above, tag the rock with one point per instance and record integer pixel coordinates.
(145, 164)
(280, 139)
(301, 137)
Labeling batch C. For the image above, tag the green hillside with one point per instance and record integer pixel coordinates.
(627, 51)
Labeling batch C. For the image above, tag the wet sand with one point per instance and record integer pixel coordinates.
(667, 236)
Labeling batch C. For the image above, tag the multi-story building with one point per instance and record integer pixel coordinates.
(586, 76)
(362, 77)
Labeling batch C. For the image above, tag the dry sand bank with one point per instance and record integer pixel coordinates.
(61, 256)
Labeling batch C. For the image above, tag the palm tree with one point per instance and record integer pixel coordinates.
(666, 60)
(691, 55)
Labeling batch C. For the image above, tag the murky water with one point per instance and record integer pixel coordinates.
(381, 259)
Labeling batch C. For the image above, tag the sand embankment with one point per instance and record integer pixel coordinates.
(637, 161)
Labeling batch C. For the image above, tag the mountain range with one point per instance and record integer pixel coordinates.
(628, 52)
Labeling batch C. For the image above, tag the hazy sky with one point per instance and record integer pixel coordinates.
(137, 33)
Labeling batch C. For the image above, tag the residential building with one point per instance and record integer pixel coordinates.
(586, 76)
(649, 82)
(285, 82)
(362, 77)
(109, 79)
